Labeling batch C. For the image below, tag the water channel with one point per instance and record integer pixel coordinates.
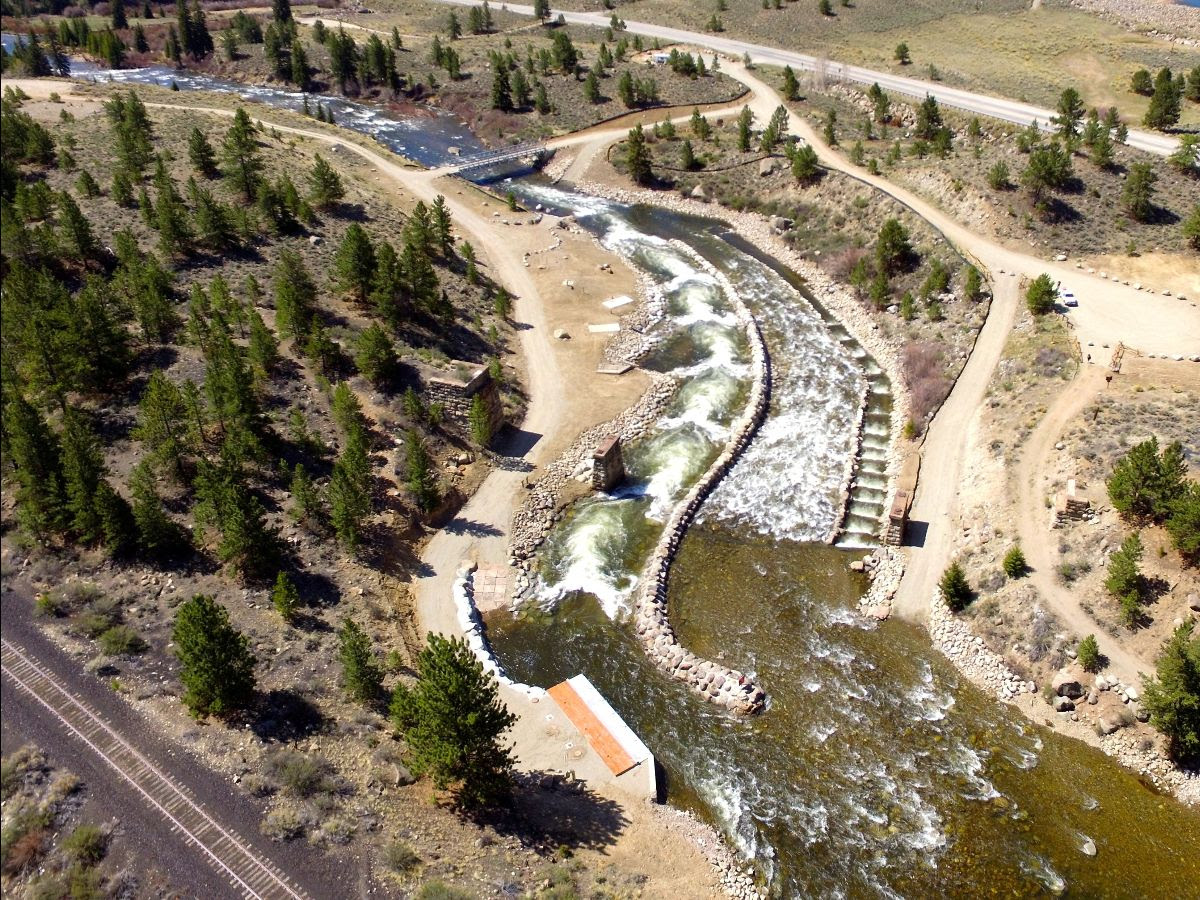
(876, 771)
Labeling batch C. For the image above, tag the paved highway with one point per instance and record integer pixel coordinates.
(983, 104)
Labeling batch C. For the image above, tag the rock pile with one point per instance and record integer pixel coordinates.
(712, 681)
(955, 639)
(885, 565)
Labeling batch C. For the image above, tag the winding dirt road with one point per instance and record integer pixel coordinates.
(1030, 487)
(995, 107)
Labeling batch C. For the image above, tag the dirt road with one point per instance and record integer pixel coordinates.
(932, 519)
(995, 107)
(1029, 484)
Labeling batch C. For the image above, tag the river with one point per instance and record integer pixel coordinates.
(876, 770)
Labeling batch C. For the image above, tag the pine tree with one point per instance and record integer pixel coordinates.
(119, 20)
(1173, 697)
(453, 720)
(201, 155)
(625, 90)
(480, 421)
(284, 597)
(637, 156)
(441, 226)
(243, 166)
(86, 185)
(307, 502)
(361, 674)
(246, 543)
(745, 118)
(349, 493)
(1183, 523)
(33, 451)
(375, 355)
(892, 248)
(591, 88)
(118, 530)
(954, 587)
(159, 413)
(687, 156)
(929, 118)
(501, 93)
(1145, 484)
(1041, 295)
(354, 263)
(1070, 113)
(1165, 104)
(263, 348)
(1124, 578)
(158, 536)
(78, 238)
(791, 86)
(1014, 564)
(83, 471)
(1088, 654)
(421, 480)
(325, 185)
(299, 71)
(1138, 191)
(216, 665)
(295, 295)
(805, 165)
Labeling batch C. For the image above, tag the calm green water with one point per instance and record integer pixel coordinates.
(876, 770)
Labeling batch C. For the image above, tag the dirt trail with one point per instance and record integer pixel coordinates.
(936, 501)
(1031, 487)
(650, 842)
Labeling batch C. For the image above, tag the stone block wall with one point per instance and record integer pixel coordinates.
(457, 394)
(608, 465)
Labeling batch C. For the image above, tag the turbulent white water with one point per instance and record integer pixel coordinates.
(789, 481)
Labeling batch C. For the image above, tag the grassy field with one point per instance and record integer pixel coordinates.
(1009, 50)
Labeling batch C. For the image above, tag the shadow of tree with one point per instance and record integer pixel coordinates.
(286, 715)
(549, 810)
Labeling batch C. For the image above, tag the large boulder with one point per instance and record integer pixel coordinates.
(1110, 722)
(1063, 704)
(1067, 685)
(766, 166)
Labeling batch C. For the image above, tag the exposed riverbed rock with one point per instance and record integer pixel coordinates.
(1067, 685)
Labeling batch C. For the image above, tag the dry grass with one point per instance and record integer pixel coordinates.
(1009, 49)
(1087, 216)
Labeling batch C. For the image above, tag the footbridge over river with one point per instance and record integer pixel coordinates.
(533, 151)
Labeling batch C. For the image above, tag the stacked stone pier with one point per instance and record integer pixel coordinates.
(713, 681)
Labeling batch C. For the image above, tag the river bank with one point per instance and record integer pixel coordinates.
(951, 635)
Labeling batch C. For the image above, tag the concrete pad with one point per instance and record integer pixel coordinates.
(617, 302)
(605, 328)
(613, 740)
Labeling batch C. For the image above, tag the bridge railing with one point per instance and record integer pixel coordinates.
(496, 156)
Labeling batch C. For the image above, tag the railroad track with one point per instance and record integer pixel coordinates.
(249, 874)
